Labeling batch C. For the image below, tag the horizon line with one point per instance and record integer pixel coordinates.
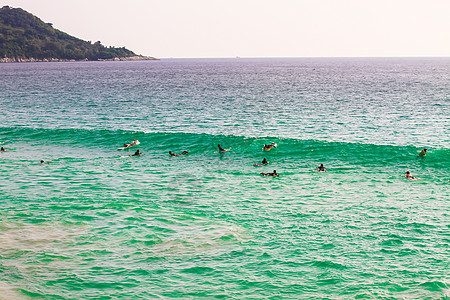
(266, 57)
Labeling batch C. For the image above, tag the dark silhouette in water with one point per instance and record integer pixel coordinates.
(221, 150)
(264, 162)
(137, 153)
(422, 153)
(409, 176)
(321, 168)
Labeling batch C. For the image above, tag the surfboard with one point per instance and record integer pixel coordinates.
(126, 156)
(269, 174)
(137, 143)
(261, 164)
(225, 150)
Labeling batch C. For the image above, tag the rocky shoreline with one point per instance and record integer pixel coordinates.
(32, 59)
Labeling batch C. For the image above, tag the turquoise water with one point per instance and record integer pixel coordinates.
(97, 224)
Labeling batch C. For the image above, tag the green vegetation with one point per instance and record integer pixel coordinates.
(23, 35)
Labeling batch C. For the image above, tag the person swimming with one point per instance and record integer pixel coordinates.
(423, 153)
(409, 176)
(270, 174)
(181, 154)
(321, 168)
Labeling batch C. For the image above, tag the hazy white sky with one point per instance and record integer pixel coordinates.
(255, 28)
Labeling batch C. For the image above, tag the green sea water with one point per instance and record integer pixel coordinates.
(98, 224)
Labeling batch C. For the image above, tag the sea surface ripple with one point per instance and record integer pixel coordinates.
(98, 224)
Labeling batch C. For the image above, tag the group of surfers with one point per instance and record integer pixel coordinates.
(133, 143)
(264, 161)
(266, 147)
(408, 175)
(320, 168)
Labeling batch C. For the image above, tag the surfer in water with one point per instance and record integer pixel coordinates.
(321, 168)
(409, 176)
(130, 144)
(2, 150)
(221, 150)
(181, 154)
(275, 174)
(268, 147)
(43, 163)
(422, 153)
(264, 162)
(137, 153)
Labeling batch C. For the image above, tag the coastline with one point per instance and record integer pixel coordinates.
(32, 59)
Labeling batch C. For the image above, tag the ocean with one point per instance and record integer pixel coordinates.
(97, 223)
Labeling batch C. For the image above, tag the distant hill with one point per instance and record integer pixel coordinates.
(24, 37)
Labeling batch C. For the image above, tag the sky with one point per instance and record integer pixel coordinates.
(255, 28)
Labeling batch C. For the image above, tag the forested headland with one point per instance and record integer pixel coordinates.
(25, 37)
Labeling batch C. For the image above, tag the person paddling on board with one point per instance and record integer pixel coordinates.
(409, 176)
(221, 150)
(321, 168)
(43, 163)
(2, 150)
(264, 162)
(268, 147)
(275, 174)
(422, 153)
(181, 154)
(137, 153)
(130, 144)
